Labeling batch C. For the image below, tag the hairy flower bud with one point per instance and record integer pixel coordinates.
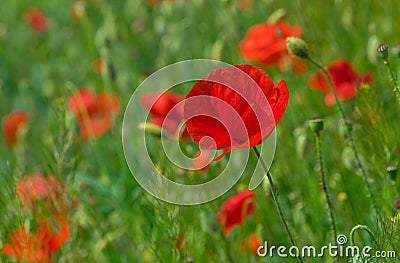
(297, 47)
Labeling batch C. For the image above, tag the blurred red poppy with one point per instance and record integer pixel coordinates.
(160, 106)
(251, 244)
(234, 107)
(12, 126)
(37, 248)
(345, 80)
(93, 113)
(36, 187)
(266, 44)
(108, 102)
(236, 210)
(36, 19)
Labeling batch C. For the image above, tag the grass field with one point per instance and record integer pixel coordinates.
(67, 72)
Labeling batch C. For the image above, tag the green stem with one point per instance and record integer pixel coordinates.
(332, 87)
(324, 187)
(393, 80)
(227, 248)
(361, 227)
(354, 229)
(351, 139)
(274, 193)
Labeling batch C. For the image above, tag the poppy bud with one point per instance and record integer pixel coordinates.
(297, 47)
(396, 203)
(383, 51)
(392, 171)
(316, 124)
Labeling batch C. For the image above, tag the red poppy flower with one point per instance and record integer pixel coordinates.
(266, 44)
(36, 19)
(251, 244)
(160, 107)
(345, 80)
(108, 102)
(35, 187)
(62, 233)
(236, 210)
(37, 248)
(93, 113)
(12, 125)
(234, 107)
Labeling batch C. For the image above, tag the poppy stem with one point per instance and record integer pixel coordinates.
(274, 193)
(392, 78)
(324, 187)
(349, 129)
(357, 227)
(332, 87)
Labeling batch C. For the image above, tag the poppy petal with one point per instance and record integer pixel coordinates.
(236, 210)
(345, 80)
(12, 126)
(237, 107)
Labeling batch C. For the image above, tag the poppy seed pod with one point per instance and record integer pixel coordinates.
(297, 47)
(383, 51)
(316, 124)
(392, 171)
